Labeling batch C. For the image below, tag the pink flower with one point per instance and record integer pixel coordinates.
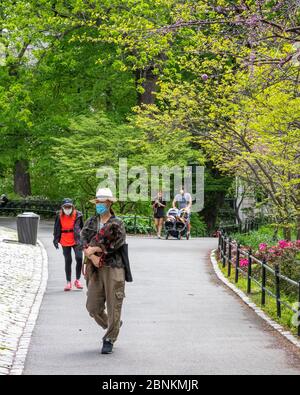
(284, 244)
(263, 247)
(244, 262)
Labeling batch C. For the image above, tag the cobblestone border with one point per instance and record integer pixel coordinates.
(24, 341)
(288, 335)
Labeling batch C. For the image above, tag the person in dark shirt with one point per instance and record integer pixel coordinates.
(159, 205)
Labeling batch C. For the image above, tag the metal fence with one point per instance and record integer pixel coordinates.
(225, 249)
(44, 211)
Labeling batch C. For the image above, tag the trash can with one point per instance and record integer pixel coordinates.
(27, 225)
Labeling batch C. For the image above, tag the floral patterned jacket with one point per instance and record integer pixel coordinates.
(91, 235)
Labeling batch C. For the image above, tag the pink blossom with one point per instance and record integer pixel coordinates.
(283, 244)
(263, 247)
(244, 262)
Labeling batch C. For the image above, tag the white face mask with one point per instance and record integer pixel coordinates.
(68, 211)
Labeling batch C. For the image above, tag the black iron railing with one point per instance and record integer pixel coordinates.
(225, 249)
(45, 212)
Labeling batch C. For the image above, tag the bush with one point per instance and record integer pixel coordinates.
(287, 256)
(283, 253)
(140, 225)
(198, 226)
(252, 240)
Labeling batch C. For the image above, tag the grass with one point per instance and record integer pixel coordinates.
(270, 308)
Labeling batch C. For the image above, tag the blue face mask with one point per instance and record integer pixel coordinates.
(101, 209)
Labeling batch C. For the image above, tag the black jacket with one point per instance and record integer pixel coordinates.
(77, 227)
(124, 253)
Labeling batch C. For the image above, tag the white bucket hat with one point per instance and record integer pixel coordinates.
(104, 194)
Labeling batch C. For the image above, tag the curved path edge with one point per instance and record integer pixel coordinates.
(288, 335)
(25, 339)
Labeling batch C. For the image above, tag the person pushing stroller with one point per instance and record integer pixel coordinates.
(184, 201)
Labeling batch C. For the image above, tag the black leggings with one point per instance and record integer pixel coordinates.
(68, 262)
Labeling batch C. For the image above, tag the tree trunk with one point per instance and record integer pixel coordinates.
(149, 84)
(214, 201)
(287, 233)
(22, 185)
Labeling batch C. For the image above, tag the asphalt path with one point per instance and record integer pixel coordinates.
(178, 319)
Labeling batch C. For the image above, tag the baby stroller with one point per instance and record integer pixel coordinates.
(176, 224)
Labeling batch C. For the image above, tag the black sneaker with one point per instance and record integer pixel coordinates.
(107, 347)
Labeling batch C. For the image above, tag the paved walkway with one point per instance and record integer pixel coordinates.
(21, 289)
(178, 319)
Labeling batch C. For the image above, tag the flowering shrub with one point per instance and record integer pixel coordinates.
(281, 253)
(286, 254)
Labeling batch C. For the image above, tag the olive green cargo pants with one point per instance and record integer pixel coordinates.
(106, 288)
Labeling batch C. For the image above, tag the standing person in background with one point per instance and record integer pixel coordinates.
(67, 229)
(159, 206)
(184, 200)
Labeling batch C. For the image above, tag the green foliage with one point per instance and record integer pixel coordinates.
(138, 225)
(266, 234)
(198, 226)
(226, 78)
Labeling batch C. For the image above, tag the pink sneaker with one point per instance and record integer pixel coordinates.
(78, 285)
(68, 287)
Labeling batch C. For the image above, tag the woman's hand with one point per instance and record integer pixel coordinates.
(95, 260)
(91, 251)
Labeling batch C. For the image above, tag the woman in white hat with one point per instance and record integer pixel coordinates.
(105, 271)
